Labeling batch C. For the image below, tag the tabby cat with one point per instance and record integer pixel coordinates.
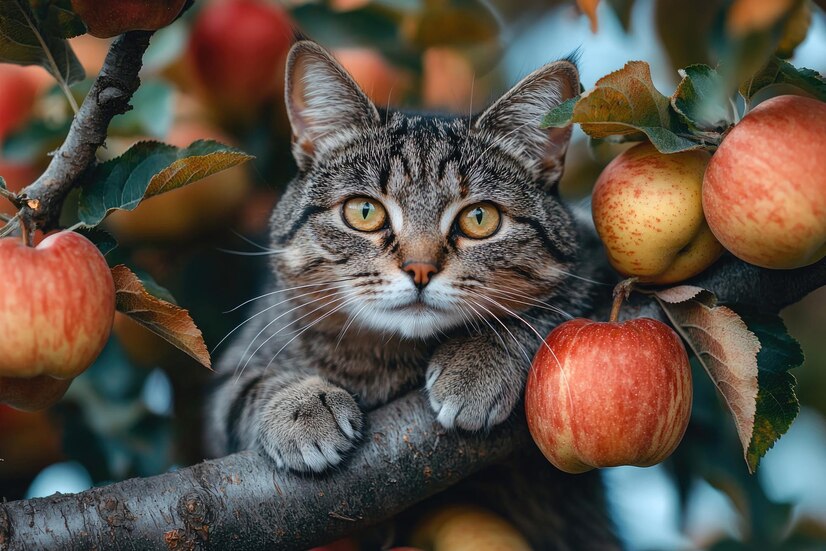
(414, 251)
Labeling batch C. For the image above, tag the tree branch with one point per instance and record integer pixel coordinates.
(239, 502)
(109, 96)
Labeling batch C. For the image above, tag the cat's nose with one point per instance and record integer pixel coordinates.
(421, 272)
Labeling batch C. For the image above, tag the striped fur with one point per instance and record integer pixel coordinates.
(345, 329)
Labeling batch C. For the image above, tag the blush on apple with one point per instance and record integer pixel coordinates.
(57, 305)
(609, 394)
(764, 192)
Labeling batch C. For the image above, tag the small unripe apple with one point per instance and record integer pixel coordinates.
(57, 305)
(609, 394)
(237, 51)
(647, 209)
(467, 528)
(765, 189)
(114, 17)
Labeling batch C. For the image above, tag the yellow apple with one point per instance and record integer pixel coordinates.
(648, 211)
(765, 188)
(467, 528)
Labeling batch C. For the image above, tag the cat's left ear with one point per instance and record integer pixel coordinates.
(514, 119)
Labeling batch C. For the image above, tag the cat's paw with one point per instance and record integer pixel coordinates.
(471, 386)
(310, 426)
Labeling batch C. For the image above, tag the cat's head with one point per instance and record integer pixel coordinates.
(413, 224)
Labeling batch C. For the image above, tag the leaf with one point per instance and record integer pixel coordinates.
(622, 9)
(701, 99)
(777, 405)
(795, 30)
(626, 103)
(589, 8)
(59, 18)
(749, 16)
(26, 40)
(781, 73)
(148, 169)
(726, 348)
(101, 239)
(162, 318)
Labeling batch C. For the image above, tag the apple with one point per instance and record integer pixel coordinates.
(237, 51)
(467, 528)
(603, 394)
(114, 17)
(449, 80)
(343, 544)
(57, 305)
(647, 209)
(188, 212)
(764, 192)
(32, 394)
(18, 92)
(383, 83)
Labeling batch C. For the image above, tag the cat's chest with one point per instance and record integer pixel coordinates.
(373, 368)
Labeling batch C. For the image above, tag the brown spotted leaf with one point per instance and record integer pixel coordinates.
(724, 345)
(166, 320)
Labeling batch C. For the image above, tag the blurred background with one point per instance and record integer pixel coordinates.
(217, 73)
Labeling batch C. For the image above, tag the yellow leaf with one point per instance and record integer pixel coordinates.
(162, 318)
(747, 16)
(589, 8)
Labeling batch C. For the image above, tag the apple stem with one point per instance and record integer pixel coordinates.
(621, 292)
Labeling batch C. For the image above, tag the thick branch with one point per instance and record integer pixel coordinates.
(239, 502)
(109, 96)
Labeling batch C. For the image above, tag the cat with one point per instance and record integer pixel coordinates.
(412, 251)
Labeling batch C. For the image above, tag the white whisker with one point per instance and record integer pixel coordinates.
(290, 289)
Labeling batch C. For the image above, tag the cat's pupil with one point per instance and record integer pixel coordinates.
(365, 210)
(479, 214)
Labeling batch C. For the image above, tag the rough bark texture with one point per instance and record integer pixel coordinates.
(109, 96)
(239, 502)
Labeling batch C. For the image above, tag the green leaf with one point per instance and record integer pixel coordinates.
(626, 103)
(101, 239)
(777, 405)
(27, 40)
(149, 169)
(701, 99)
(153, 288)
(779, 73)
(560, 115)
(59, 18)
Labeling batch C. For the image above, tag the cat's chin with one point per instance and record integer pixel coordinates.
(413, 322)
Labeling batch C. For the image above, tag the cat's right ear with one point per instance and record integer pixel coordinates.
(324, 103)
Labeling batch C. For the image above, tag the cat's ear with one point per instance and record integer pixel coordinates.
(323, 102)
(513, 121)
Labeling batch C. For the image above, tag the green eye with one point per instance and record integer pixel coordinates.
(479, 221)
(364, 214)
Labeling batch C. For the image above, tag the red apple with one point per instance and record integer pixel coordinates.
(18, 92)
(764, 193)
(57, 305)
(114, 17)
(608, 394)
(237, 51)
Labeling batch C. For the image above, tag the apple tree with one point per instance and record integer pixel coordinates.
(143, 144)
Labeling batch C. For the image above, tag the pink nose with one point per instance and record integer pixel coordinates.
(421, 272)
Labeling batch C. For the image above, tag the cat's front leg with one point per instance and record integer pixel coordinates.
(474, 382)
(309, 424)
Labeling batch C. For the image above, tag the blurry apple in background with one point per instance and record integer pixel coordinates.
(28, 443)
(765, 189)
(467, 528)
(647, 209)
(383, 83)
(448, 81)
(237, 51)
(17, 176)
(18, 92)
(609, 394)
(91, 52)
(188, 212)
(114, 17)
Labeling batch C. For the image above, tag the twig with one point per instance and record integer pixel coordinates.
(109, 96)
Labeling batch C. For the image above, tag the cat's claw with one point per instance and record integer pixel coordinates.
(310, 426)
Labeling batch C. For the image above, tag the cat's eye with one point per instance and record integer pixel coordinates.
(479, 221)
(364, 214)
